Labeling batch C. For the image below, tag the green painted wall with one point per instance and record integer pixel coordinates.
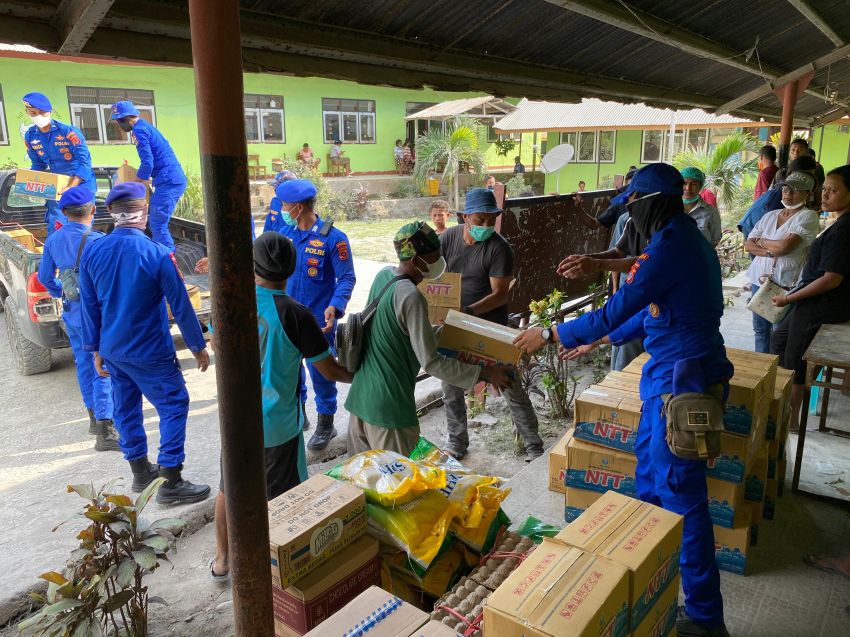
(627, 153)
(833, 148)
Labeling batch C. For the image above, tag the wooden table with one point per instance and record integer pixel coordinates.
(830, 350)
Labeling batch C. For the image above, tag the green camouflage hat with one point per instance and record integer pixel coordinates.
(415, 238)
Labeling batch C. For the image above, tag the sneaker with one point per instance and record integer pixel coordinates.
(687, 627)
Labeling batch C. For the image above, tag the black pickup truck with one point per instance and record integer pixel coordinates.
(33, 325)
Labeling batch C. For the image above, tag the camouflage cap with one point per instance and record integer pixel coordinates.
(415, 238)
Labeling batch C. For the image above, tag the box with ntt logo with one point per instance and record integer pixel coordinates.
(599, 469)
(442, 295)
(474, 340)
(43, 185)
(643, 538)
(608, 417)
(311, 523)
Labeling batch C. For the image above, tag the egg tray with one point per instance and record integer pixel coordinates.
(502, 561)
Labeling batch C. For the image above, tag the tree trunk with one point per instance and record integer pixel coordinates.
(456, 192)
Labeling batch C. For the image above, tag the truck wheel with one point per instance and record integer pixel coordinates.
(30, 358)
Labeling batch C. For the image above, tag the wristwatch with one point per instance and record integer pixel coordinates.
(547, 335)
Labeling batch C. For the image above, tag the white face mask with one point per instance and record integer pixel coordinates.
(435, 270)
(793, 206)
(41, 120)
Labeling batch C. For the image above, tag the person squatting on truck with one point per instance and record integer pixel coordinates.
(57, 148)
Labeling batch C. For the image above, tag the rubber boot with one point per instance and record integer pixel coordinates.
(176, 490)
(143, 474)
(307, 423)
(107, 437)
(92, 423)
(325, 431)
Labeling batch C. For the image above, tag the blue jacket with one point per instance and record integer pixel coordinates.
(767, 201)
(324, 270)
(673, 297)
(60, 253)
(156, 159)
(273, 221)
(60, 150)
(125, 280)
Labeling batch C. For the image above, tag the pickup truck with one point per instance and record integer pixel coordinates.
(33, 318)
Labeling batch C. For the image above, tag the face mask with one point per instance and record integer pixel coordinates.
(690, 201)
(289, 220)
(125, 126)
(481, 233)
(41, 120)
(793, 206)
(434, 270)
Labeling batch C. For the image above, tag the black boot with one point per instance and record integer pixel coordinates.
(307, 423)
(143, 474)
(176, 490)
(687, 627)
(107, 437)
(92, 423)
(325, 431)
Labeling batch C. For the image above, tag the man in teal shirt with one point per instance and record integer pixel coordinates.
(289, 333)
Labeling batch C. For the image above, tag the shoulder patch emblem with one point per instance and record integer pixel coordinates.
(73, 138)
(342, 249)
(654, 310)
(176, 266)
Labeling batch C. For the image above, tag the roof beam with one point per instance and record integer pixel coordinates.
(814, 17)
(76, 20)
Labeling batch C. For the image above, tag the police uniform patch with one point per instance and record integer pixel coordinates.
(342, 250)
(174, 261)
(312, 272)
(654, 311)
(312, 261)
(67, 156)
(73, 138)
(317, 243)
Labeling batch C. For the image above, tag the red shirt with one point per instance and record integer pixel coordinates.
(764, 180)
(708, 197)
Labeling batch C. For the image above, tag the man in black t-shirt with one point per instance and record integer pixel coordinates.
(486, 263)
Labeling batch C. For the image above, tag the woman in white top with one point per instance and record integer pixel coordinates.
(779, 242)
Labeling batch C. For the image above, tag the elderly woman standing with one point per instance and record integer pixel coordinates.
(706, 215)
(823, 295)
(779, 242)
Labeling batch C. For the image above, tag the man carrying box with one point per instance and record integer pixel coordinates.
(486, 264)
(57, 148)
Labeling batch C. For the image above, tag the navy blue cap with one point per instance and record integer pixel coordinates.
(653, 178)
(76, 196)
(295, 190)
(126, 190)
(480, 200)
(37, 100)
(124, 108)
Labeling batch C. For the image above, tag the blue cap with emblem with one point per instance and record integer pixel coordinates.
(660, 177)
(124, 108)
(76, 196)
(295, 190)
(126, 190)
(37, 100)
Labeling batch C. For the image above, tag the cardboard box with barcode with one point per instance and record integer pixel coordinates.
(474, 340)
(322, 592)
(660, 621)
(40, 184)
(576, 502)
(599, 469)
(643, 538)
(375, 613)
(608, 417)
(732, 546)
(725, 500)
(560, 590)
(311, 523)
(442, 295)
(558, 463)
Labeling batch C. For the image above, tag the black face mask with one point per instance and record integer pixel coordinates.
(125, 126)
(650, 213)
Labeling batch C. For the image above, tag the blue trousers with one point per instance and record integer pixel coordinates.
(762, 328)
(161, 382)
(679, 486)
(324, 389)
(52, 214)
(96, 390)
(163, 201)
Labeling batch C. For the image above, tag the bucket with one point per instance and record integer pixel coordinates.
(433, 187)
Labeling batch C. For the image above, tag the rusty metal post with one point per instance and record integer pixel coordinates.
(789, 99)
(217, 59)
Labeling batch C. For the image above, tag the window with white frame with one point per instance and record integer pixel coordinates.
(352, 121)
(655, 145)
(652, 146)
(592, 146)
(91, 112)
(4, 132)
(264, 119)
(493, 136)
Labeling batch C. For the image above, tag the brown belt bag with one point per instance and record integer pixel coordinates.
(694, 423)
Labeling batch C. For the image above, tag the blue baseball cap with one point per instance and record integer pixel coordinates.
(37, 100)
(653, 178)
(124, 108)
(480, 200)
(295, 190)
(76, 196)
(126, 190)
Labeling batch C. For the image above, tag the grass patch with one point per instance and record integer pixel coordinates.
(373, 238)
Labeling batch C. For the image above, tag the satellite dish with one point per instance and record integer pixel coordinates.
(557, 158)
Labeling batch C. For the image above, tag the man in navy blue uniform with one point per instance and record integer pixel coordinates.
(157, 162)
(59, 267)
(57, 148)
(323, 281)
(273, 218)
(125, 281)
(673, 298)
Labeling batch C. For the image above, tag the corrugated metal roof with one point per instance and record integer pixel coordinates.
(20, 48)
(592, 114)
(472, 105)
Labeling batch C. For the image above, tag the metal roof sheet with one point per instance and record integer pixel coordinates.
(472, 105)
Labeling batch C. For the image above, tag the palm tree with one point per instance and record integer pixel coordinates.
(444, 151)
(724, 166)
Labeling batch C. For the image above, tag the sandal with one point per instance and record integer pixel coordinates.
(218, 579)
(813, 561)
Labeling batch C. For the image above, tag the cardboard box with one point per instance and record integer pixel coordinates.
(732, 546)
(756, 516)
(474, 340)
(660, 621)
(599, 468)
(194, 293)
(607, 417)
(442, 295)
(768, 364)
(756, 478)
(725, 500)
(643, 538)
(771, 492)
(745, 404)
(43, 185)
(772, 458)
(576, 501)
(558, 463)
(737, 455)
(24, 237)
(622, 381)
(310, 524)
(781, 468)
(636, 366)
(434, 629)
(560, 590)
(315, 597)
(374, 612)
(126, 172)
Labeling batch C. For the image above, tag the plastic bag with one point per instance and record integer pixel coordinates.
(474, 496)
(427, 451)
(482, 539)
(389, 478)
(537, 529)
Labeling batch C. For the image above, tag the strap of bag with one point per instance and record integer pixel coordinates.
(80, 249)
(326, 229)
(370, 309)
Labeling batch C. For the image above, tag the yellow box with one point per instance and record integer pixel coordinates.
(622, 381)
(636, 366)
(766, 363)
(725, 500)
(756, 478)
(660, 621)
(732, 546)
(43, 185)
(22, 236)
(737, 454)
(559, 590)
(780, 406)
(442, 295)
(643, 538)
(608, 417)
(576, 501)
(558, 463)
(194, 293)
(600, 469)
(474, 340)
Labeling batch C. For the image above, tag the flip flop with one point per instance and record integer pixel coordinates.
(218, 579)
(812, 560)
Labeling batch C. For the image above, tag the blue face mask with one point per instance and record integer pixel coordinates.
(288, 219)
(481, 233)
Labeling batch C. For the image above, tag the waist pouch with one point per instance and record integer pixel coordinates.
(695, 422)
